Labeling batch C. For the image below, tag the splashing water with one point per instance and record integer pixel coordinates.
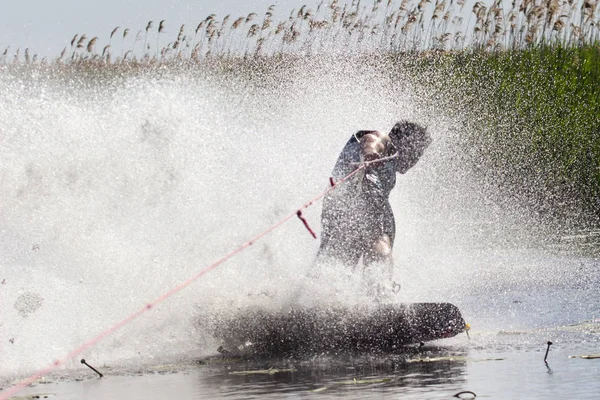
(116, 190)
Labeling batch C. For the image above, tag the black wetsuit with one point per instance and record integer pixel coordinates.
(358, 211)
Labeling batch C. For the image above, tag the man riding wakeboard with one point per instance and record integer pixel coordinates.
(357, 219)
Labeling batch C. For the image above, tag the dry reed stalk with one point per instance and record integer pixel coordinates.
(237, 23)
(498, 21)
(161, 28)
(300, 13)
(148, 27)
(590, 6)
(588, 10)
(559, 25)
(480, 11)
(534, 13)
(553, 9)
(525, 6)
(280, 28)
(225, 20)
(512, 19)
(412, 18)
(195, 52)
(259, 46)
(113, 32)
(439, 9)
(106, 54)
(269, 13)
(266, 24)
(360, 27)
(530, 36)
(91, 43)
(82, 39)
(253, 30)
(199, 27)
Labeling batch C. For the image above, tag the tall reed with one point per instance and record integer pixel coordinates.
(525, 79)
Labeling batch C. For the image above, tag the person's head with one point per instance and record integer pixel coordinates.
(410, 140)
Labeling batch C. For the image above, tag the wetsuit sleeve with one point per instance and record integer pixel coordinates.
(374, 146)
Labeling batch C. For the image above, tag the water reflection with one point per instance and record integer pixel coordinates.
(416, 370)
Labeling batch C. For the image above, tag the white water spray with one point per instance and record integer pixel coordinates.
(113, 193)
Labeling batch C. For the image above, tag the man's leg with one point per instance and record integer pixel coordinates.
(378, 266)
(380, 252)
(378, 257)
(339, 233)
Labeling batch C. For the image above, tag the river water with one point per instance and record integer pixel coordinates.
(502, 358)
(115, 190)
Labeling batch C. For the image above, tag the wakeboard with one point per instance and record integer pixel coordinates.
(306, 330)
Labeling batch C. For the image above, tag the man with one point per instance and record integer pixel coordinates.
(357, 218)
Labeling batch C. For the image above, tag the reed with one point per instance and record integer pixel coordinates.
(394, 25)
(534, 118)
(525, 80)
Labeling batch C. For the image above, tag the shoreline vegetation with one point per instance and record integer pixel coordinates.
(524, 80)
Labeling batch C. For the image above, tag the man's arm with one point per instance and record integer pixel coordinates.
(374, 145)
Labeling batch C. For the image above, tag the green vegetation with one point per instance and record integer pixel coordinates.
(532, 123)
(547, 123)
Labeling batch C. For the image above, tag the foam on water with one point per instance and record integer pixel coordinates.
(113, 193)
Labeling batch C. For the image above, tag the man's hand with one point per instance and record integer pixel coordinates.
(374, 146)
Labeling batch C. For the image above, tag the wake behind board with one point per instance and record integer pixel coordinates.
(358, 329)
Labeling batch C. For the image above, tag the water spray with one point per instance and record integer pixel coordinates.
(172, 291)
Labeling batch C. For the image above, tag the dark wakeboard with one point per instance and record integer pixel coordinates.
(309, 330)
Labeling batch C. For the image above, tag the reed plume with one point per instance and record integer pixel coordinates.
(148, 27)
(113, 32)
(356, 27)
(81, 40)
(237, 23)
(91, 43)
(250, 17)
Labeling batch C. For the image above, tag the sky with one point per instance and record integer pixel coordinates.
(46, 27)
